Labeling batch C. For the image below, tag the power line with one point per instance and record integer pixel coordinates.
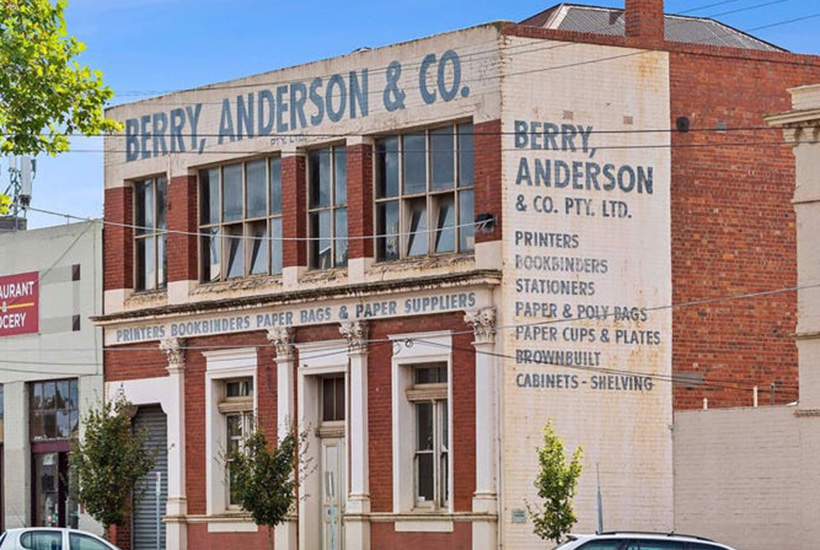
(240, 137)
(268, 152)
(492, 51)
(161, 232)
(672, 378)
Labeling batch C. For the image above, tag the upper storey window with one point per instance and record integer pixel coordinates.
(424, 193)
(240, 219)
(150, 233)
(327, 207)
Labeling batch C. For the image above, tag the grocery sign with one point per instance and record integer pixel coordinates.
(19, 304)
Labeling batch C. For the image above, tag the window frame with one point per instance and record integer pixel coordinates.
(72, 412)
(430, 195)
(426, 351)
(436, 394)
(154, 234)
(332, 209)
(220, 229)
(223, 367)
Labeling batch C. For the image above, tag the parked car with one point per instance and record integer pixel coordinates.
(628, 540)
(52, 538)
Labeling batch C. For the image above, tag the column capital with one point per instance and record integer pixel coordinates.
(482, 322)
(355, 332)
(282, 339)
(174, 350)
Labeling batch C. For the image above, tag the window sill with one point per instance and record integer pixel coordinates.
(251, 282)
(227, 522)
(142, 298)
(427, 262)
(324, 275)
(424, 521)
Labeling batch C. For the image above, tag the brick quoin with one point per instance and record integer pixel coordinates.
(118, 245)
(487, 144)
(360, 200)
(294, 215)
(182, 218)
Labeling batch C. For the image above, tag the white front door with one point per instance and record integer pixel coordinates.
(334, 492)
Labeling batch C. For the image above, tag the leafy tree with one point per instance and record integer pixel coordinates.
(108, 462)
(44, 93)
(556, 483)
(264, 477)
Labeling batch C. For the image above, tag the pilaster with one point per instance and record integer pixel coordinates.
(485, 499)
(357, 523)
(285, 534)
(176, 508)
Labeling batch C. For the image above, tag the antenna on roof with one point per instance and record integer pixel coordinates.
(22, 171)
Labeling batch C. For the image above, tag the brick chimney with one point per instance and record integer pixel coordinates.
(644, 20)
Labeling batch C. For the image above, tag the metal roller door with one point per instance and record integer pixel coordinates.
(151, 420)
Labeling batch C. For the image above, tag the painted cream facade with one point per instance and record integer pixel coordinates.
(68, 261)
(580, 245)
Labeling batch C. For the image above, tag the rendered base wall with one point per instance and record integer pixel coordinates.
(744, 477)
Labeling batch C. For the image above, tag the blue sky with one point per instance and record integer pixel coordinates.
(146, 47)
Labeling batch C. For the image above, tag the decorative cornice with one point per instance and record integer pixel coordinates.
(483, 323)
(174, 350)
(282, 339)
(355, 332)
(481, 277)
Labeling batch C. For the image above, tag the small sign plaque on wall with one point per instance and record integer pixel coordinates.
(519, 516)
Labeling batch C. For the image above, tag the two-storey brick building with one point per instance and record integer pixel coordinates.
(420, 253)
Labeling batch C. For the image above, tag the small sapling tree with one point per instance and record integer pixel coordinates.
(553, 516)
(264, 478)
(108, 461)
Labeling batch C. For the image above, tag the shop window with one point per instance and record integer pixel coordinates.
(237, 410)
(240, 219)
(150, 237)
(53, 420)
(425, 193)
(327, 207)
(54, 410)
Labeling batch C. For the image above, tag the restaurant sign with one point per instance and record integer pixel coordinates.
(19, 304)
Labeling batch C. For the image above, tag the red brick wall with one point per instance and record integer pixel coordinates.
(360, 200)
(118, 244)
(145, 360)
(733, 228)
(195, 413)
(487, 154)
(381, 413)
(182, 217)
(200, 539)
(644, 19)
(384, 535)
(129, 362)
(294, 204)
